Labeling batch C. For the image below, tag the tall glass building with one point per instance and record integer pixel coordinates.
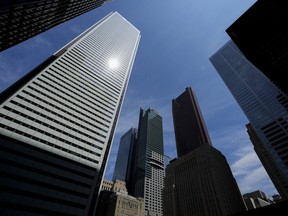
(57, 123)
(199, 181)
(266, 108)
(185, 122)
(149, 170)
(125, 161)
(21, 20)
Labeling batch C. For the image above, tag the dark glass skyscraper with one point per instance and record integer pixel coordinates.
(261, 35)
(149, 170)
(265, 106)
(125, 161)
(186, 121)
(57, 123)
(21, 20)
(200, 181)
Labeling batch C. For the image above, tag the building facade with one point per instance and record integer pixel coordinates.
(260, 33)
(149, 168)
(115, 200)
(57, 122)
(187, 117)
(266, 108)
(21, 20)
(200, 181)
(256, 199)
(124, 166)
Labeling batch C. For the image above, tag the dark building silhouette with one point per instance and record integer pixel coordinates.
(261, 35)
(266, 108)
(21, 20)
(190, 130)
(279, 209)
(200, 181)
(125, 162)
(57, 123)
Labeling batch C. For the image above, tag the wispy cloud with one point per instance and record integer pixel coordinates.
(76, 29)
(246, 161)
(250, 173)
(37, 42)
(9, 73)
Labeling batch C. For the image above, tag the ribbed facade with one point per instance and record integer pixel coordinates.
(149, 175)
(69, 105)
(21, 20)
(265, 106)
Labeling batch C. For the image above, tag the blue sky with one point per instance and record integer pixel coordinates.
(177, 39)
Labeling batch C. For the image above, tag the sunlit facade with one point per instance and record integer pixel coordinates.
(66, 109)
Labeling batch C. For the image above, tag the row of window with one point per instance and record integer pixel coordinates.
(70, 95)
(54, 120)
(46, 142)
(52, 128)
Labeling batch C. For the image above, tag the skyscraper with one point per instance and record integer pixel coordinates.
(200, 181)
(265, 106)
(21, 20)
(149, 170)
(125, 161)
(261, 35)
(57, 122)
(185, 122)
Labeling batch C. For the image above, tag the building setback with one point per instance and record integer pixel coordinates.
(261, 35)
(57, 123)
(199, 182)
(21, 20)
(266, 108)
(149, 167)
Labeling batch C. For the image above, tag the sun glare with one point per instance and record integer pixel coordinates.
(113, 63)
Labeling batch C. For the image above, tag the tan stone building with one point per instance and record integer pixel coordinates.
(125, 205)
(118, 202)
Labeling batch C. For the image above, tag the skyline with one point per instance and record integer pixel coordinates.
(173, 54)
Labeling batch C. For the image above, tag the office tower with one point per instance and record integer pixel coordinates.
(199, 182)
(185, 121)
(57, 122)
(149, 170)
(261, 35)
(124, 166)
(266, 108)
(21, 20)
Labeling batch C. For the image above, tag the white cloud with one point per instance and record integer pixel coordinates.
(249, 172)
(247, 160)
